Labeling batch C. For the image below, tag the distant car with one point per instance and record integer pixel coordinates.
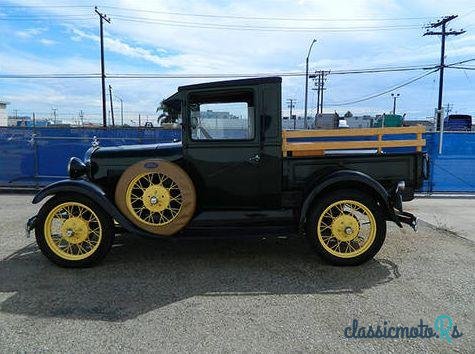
(458, 123)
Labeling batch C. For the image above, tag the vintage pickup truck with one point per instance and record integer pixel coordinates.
(342, 185)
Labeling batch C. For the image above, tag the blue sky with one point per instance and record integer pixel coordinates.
(43, 38)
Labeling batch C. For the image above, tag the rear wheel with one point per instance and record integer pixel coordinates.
(346, 227)
(73, 231)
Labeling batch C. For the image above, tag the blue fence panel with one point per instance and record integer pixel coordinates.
(36, 157)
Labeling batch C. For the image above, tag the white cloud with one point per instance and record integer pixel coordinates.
(47, 42)
(30, 32)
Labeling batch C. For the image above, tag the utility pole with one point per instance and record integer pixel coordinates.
(291, 105)
(395, 96)
(54, 115)
(102, 18)
(322, 88)
(140, 121)
(323, 75)
(318, 84)
(112, 106)
(442, 23)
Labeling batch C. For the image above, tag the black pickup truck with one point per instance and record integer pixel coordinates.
(232, 157)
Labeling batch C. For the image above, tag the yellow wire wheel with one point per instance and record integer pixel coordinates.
(72, 231)
(158, 196)
(346, 228)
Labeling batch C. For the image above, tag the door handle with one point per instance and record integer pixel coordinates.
(255, 159)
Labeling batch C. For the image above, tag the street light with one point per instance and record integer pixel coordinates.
(395, 96)
(306, 84)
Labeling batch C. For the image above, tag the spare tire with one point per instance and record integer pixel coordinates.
(157, 196)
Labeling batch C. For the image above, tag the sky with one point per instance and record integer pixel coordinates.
(232, 37)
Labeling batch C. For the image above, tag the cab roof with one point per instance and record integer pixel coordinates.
(240, 82)
(176, 97)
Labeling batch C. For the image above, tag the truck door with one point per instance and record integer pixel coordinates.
(222, 150)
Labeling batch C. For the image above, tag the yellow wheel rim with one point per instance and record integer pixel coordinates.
(154, 198)
(346, 229)
(73, 231)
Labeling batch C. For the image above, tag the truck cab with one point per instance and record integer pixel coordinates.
(232, 142)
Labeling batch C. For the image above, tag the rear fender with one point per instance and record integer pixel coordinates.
(94, 193)
(345, 179)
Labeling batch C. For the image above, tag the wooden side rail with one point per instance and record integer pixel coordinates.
(316, 148)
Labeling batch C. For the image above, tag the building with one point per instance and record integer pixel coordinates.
(19, 121)
(327, 121)
(428, 123)
(3, 114)
(360, 121)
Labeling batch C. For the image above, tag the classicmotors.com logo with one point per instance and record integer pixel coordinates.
(444, 328)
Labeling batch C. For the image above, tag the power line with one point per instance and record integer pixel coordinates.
(44, 6)
(205, 76)
(463, 67)
(384, 92)
(266, 18)
(203, 25)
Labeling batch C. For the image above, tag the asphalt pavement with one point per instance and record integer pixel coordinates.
(265, 294)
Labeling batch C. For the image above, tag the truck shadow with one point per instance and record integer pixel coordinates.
(140, 275)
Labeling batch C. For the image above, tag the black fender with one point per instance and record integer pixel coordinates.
(346, 178)
(95, 193)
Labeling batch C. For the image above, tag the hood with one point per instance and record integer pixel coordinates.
(105, 161)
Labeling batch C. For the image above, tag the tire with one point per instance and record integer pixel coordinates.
(346, 227)
(86, 231)
(157, 196)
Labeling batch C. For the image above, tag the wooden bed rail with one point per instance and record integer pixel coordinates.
(317, 148)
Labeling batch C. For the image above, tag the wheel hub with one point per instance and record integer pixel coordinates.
(156, 198)
(345, 227)
(75, 230)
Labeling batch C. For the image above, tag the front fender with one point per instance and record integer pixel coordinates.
(344, 178)
(94, 193)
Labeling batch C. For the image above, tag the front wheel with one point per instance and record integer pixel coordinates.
(346, 227)
(73, 231)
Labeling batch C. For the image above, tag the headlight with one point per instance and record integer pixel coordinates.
(76, 168)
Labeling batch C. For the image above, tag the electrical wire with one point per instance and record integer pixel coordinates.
(217, 75)
(267, 18)
(463, 67)
(202, 25)
(382, 93)
(261, 18)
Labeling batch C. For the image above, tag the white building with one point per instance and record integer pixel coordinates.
(3, 114)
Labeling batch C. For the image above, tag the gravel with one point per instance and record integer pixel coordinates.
(264, 294)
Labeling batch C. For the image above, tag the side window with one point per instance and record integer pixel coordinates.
(222, 116)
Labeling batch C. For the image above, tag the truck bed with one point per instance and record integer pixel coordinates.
(319, 142)
(300, 173)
